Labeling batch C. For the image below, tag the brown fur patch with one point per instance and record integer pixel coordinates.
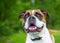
(38, 10)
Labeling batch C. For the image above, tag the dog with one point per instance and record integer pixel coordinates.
(34, 23)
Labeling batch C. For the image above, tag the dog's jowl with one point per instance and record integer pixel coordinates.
(34, 23)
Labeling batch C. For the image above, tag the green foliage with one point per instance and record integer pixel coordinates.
(9, 22)
(10, 9)
(7, 28)
(21, 38)
(57, 39)
(14, 38)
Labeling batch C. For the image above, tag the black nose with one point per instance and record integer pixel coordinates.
(32, 20)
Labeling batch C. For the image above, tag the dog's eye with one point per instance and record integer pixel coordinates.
(26, 16)
(39, 16)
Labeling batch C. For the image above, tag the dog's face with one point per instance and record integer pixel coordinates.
(33, 20)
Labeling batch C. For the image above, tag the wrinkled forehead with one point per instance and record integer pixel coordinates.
(32, 12)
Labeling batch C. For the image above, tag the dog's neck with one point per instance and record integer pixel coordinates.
(44, 34)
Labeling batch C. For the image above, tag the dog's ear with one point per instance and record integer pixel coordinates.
(46, 16)
(45, 13)
(21, 15)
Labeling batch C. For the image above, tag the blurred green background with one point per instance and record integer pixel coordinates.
(10, 26)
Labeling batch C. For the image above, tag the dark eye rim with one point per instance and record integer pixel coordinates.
(26, 15)
(38, 15)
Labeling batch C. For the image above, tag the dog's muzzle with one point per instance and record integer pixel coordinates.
(34, 29)
(31, 21)
(32, 25)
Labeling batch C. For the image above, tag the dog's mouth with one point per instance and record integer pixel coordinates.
(34, 28)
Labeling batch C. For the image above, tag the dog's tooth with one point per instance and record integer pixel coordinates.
(35, 27)
(32, 28)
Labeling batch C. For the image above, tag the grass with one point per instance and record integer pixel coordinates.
(17, 38)
(57, 37)
(21, 37)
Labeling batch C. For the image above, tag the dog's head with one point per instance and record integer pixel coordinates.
(33, 20)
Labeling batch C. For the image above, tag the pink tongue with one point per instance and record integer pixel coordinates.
(32, 27)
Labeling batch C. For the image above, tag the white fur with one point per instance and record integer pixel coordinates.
(44, 33)
(45, 37)
(26, 24)
(38, 22)
(53, 39)
(32, 11)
